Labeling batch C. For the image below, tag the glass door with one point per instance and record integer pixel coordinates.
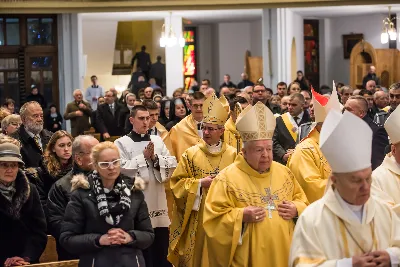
(9, 87)
(42, 70)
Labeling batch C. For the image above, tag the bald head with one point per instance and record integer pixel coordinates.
(357, 105)
(371, 85)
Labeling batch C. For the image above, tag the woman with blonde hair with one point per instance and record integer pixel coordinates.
(56, 162)
(106, 222)
(10, 124)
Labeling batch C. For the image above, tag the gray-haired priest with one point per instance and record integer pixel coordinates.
(147, 156)
(346, 227)
(251, 204)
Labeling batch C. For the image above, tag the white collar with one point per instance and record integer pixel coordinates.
(214, 148)
(356, 210)
(300, 116)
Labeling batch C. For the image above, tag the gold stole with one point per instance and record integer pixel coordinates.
(289, 126)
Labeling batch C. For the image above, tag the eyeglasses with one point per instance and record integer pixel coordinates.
(6, 165)
(107, 165)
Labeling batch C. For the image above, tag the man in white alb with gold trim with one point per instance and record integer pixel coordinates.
(346, 227)
(386, 178)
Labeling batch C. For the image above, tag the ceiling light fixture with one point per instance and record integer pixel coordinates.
(389, 30)
(168, 37)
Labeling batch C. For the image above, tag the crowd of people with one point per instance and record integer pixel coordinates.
(237, 176)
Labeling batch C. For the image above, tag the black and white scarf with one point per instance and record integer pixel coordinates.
(112, 214)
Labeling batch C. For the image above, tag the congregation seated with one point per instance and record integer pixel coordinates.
(23, 224)
(56, 163)
(107, 222)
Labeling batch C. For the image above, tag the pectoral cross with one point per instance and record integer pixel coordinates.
(269, 198)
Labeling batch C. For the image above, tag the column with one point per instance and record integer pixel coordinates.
(71, 61)
(174, 57)
(277, 40)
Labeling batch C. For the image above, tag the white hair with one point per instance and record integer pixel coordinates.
(77, 143)
(76, 91)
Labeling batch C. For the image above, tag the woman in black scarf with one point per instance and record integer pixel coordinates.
(107, 222)
(177, 112)
(23, 224)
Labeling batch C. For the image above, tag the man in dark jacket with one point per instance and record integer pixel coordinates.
(31, 135)
(371, 76)
(359, 107)
(227, 82)
(79, 112)
(107, 117)
(287, 126)
(60, 193)
(244, 82)
(158, 72)
(36, 96)
(143, 61)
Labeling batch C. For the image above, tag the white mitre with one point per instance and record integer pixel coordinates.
(346, 142)
(256, 123)
(322, 104)
(392, 126)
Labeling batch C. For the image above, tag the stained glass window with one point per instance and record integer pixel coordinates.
(189, 57)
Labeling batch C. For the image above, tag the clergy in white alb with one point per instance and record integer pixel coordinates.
(250, 207)
(386, 178)
(346, 227)
(147, 156)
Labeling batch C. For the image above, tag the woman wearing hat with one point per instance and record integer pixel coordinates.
(23, 225)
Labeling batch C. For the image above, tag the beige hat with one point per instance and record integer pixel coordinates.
(346, 142)
(256, 123)
(392, 126)
(322, 105)
(224, 102)
(10, 152)
(214, 112)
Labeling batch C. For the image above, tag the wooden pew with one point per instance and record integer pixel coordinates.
(50, 252)
(73, 263)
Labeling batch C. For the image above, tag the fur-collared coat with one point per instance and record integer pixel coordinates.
(22, 223)
(83, 226)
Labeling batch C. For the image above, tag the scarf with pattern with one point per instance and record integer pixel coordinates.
(8, 191)
(111, 213)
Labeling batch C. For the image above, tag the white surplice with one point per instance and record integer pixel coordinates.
(134, 164)
(386, 182)
(325, 230)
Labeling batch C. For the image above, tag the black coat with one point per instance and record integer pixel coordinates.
(245, 83)
(142, 61)
(83, 226)
(123, 117)
(380, 141)
(282, 140)
(58, 198)
(43, 180)
(107, 122)
(50, 121)
(31, 154)
(37, 98)
(23, 224)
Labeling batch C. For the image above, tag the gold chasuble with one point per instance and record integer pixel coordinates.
(187, 247)
(310, 166)
(328, 231)
(182, 136)
(232, 136)
(231, 242)
(161, 129)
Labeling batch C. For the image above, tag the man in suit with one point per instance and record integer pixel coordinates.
(157, 72)
(143, 61)
(79, 112)
(359, 107)
(287, 126)
(31, 135)
(107, 117)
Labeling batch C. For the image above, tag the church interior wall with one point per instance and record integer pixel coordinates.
(339, 68)
(99, 44)
(294, 29)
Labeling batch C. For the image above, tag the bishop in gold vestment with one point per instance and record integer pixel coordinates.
(250, 207)
(197, 164)
(347, 227)
(231, 135)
